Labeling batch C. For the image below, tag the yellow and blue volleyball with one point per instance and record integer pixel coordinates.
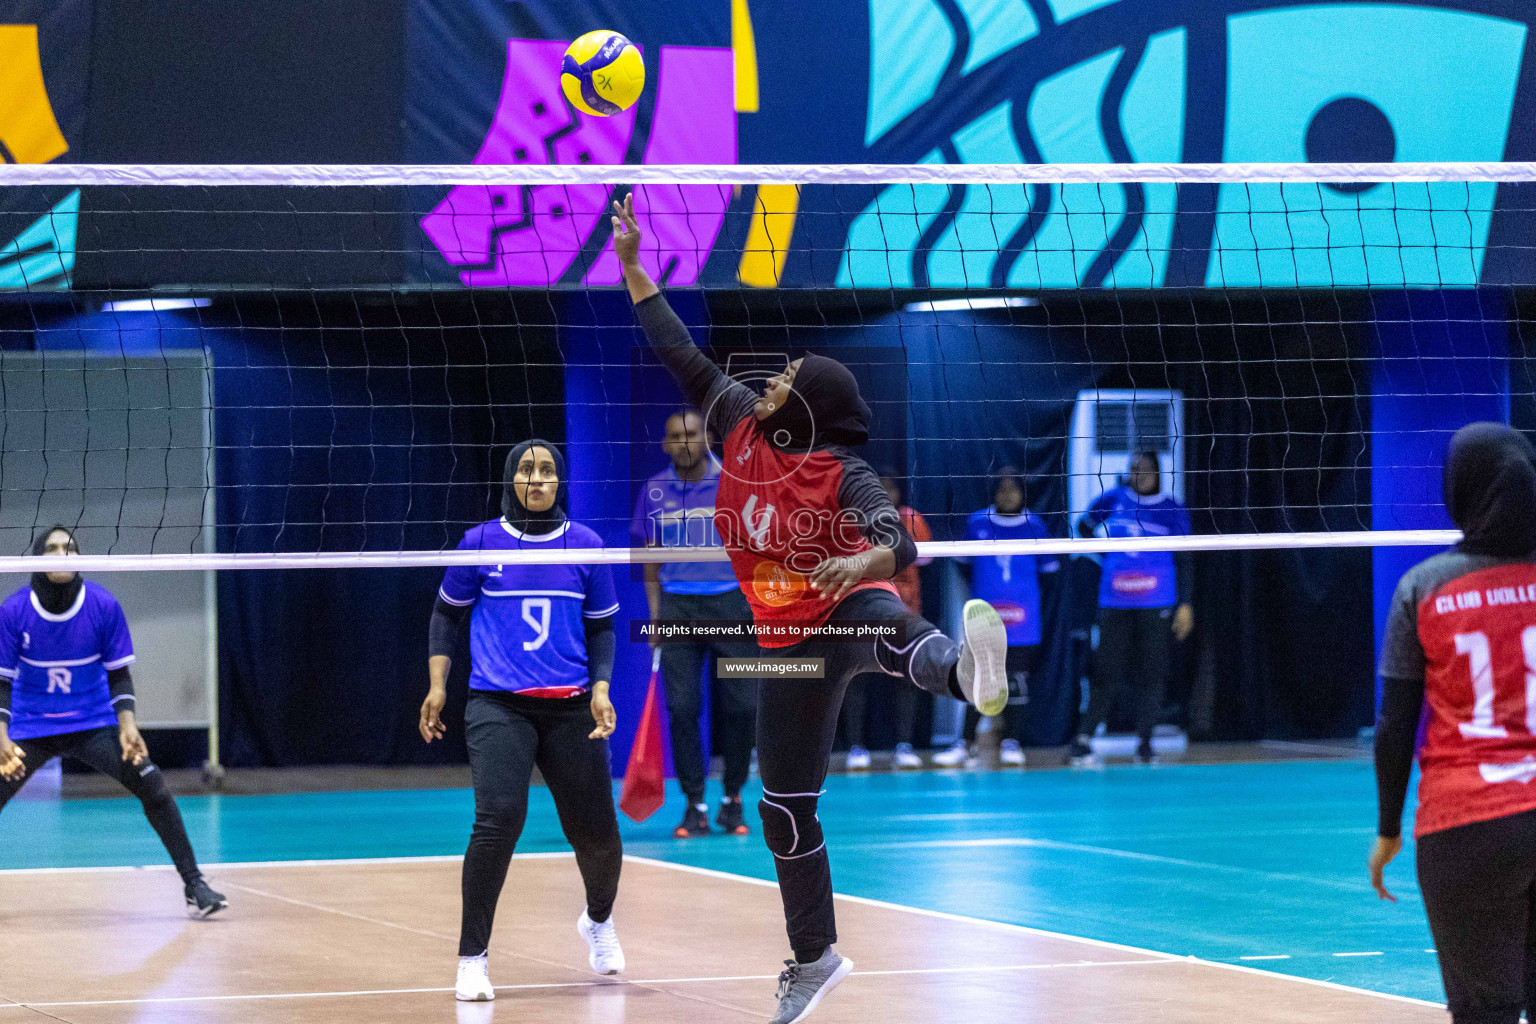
(602, 73)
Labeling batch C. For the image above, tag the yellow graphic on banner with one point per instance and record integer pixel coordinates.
(744, 49)
(28, 129)
(773, 224)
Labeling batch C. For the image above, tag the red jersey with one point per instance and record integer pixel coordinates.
(1473, 640)
(779, 516)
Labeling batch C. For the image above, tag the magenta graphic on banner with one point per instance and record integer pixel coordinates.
(531, 236)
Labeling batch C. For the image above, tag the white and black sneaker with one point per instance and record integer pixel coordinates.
(803, 986)
(474, 984)
(603, 952)
(982, 670)
(203, 900)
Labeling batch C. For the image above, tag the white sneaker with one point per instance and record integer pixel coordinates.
(604, 954)
(906, 757)
(858, 759)
(1011, 754)
(954, 757)
(983, 659)
(474, 985)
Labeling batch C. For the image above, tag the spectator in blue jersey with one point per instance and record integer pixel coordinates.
(676, 508)
(1143, 603)
(541, 650)
(1012, 585)
(66, 689)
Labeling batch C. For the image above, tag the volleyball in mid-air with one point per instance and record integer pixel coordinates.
(602, 73)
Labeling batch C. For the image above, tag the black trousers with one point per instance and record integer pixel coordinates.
(796, 726)
(856, 707)
(735, 704)
(507, 735)
(1135, 651)
(99, 749)
(1021, 662)
(1479, 886)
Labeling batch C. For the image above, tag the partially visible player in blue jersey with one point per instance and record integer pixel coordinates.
(66, 690)
(1144, 603)
(1012, 585)
(541, 649)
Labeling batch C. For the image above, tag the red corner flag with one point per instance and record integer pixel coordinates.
(645, 779)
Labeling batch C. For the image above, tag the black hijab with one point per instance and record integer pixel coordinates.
(55, 598)
(518, 514)
(825, 409)
(1490, 490)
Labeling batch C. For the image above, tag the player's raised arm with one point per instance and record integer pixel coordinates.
(723, 400)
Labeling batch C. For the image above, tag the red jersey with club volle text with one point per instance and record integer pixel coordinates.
(779, 515)
(1468, 624)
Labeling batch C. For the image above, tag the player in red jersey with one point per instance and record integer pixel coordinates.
(814, 540)
(1462, 634)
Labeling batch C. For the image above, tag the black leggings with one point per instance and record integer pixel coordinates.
(507, 735)
(1135, 650)
(1021, 662)
(1479, 887)
(796, 725)
(99, 748)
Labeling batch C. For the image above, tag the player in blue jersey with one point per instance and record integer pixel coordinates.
(1012, 585)
(66, 690)
(1143, 601)
(541, 650)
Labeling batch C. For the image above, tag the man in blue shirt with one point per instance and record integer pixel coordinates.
(1143, 601)
(676, 508)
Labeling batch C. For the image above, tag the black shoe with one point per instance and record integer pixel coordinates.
(204, 901)
(731, 819)
(695, 823)
(1080, 752)
(1144, 753)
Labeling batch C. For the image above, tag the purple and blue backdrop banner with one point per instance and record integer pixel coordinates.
(987, 81)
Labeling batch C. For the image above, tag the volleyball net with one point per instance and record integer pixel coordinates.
(270, 366)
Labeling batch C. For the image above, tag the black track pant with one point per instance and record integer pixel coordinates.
(856, 705)
(100, 749)
(1021, 662)
(796, 725)
(1479, 886)
(1135, 650)
(507, 735)
(735, 705)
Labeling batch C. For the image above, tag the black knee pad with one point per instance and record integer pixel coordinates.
(146, 782)
(790, 826)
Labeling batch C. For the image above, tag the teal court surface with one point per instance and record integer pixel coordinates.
(1256, 866)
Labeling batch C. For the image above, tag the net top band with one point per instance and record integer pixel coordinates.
(333, 175)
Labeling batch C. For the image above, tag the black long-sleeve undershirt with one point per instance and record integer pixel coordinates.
(602, 642)
(119, 686)
(1397, 732)
(726, 402)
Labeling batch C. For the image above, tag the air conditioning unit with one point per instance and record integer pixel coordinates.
(1108, 428)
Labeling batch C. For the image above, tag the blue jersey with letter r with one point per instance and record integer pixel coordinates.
(1011, 583)
(1140, 579)
(527, 630)
(58, 663)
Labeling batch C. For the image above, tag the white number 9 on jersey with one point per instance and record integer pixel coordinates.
(536, 614)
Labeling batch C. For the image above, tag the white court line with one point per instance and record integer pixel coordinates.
(241, 865)
(1105, 851)
(1378, 953)
(609, 983)
(865, 901)
(1027, 930)
(1272, 956)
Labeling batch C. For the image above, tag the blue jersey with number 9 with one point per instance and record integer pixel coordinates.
(528, 629)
